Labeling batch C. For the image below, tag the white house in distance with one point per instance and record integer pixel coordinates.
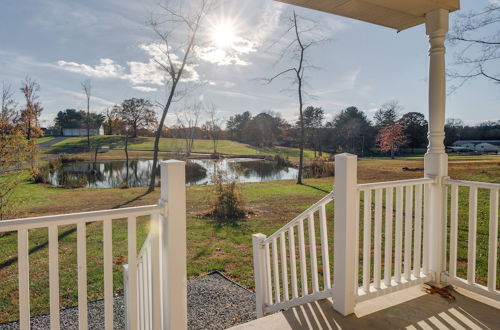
(476, 145)
(81, 130)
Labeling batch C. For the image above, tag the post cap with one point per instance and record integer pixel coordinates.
(172, 161)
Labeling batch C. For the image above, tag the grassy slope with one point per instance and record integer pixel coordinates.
(168, 144)
(44, 139)
(211, 245)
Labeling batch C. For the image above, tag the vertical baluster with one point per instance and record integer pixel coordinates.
(54, 276)
(147, 282)
(388, 236)
(132, 270)
(284, 272)
(408, 231)
(356, 249)
(417, 231)
(277, 293)
(493, 240)
(81, 252)
(453, 230)
(324, 247)
(471, 259)
(444, 223)
(142, 293)
(367, 232)
(24, 282)
(108, 274)
(155, 263)
(293, 266)
(398, 251)
(427, 226)
(269, 283)
(302, 257)
(377, 238)
(312, 252)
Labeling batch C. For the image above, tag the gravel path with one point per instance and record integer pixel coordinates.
(214, 302)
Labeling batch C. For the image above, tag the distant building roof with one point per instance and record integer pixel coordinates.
(462, 142)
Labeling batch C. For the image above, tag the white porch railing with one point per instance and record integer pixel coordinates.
(394, 216)
(472, 193)
(165, 243)
(381, 239)
(277, 283)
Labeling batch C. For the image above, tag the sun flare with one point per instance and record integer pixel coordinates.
(224, 34)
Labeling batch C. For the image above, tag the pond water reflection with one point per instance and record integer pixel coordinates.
(112, 174)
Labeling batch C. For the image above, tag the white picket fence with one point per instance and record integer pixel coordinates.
(159, 292)
(381, 243)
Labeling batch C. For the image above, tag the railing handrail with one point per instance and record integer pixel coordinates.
(325, 199)
(478, 184)
(44, 221)
(393, 184)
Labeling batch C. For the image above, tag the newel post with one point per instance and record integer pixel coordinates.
(259, 268)
(436, 159)
(344, 249)
(173, 245)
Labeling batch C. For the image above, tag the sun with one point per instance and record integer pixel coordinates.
(223, 34)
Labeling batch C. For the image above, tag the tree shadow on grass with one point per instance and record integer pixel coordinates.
(316, 188)
(45, 244)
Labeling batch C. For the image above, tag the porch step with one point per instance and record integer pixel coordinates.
(406, 309)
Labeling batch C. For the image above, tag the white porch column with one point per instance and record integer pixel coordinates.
(173, 245)
(436, 159)
(345, 277)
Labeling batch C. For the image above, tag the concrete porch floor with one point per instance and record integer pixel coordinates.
(410, 309)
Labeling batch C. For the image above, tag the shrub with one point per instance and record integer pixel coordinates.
(194, 171)
(227, 203)
(282, 161)
(37, 175)
(319, 168)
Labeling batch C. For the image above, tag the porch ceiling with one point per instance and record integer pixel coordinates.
(396, 14)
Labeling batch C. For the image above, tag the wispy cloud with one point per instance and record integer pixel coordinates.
(145, 88)
(149, 72)
(106, 68)
(346, 83)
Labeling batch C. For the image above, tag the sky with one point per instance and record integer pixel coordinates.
(60, 43)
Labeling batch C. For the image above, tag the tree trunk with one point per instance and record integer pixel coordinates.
(126, 157)
(88, 123)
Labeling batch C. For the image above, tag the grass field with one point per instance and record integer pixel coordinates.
(174, 145)
(211, 245)
(44, 139)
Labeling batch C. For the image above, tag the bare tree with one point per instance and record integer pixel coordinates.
(8, 105)
(29, 117)
(187, 120)
(296, 51)
(123, 114)
(111, 119)
(213, 126)
(168, 27)
(31, 113)
(476, 36)
(87, 89)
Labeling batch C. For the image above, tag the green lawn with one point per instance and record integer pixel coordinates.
(211, 245)
(170, 144)
(44, 139)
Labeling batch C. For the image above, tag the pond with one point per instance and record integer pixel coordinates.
(113, 174)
